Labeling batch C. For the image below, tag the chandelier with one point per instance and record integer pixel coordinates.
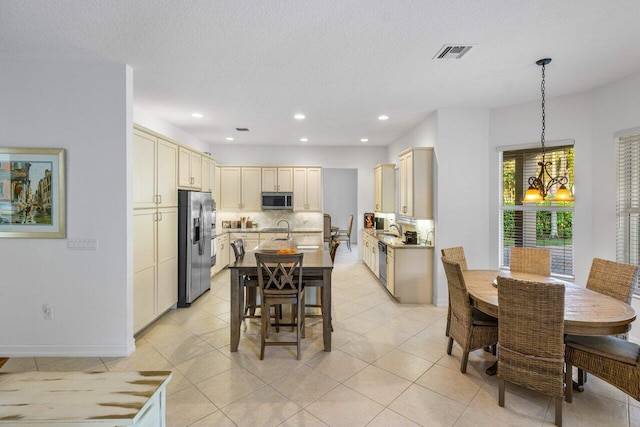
(540, 186)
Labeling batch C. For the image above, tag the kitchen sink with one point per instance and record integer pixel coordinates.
(387, 235)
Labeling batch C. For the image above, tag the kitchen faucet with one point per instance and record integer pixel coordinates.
(288, 229)
(398, 226)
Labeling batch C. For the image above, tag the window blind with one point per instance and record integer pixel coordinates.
(628, 201)
(543, 225)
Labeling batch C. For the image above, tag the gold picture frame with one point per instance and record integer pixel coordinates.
(32, 193)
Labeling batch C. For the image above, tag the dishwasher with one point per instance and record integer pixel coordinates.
(382, 265)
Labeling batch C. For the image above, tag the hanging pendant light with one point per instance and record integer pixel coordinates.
(540, 186)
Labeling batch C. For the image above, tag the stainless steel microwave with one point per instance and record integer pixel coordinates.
(273, 201)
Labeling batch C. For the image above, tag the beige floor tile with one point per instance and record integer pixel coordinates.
(144, 358)
(217, 339)
(276, 363)
(19, 364)
(426, 407)
(178, 382)
(389, 418)
(377, 384)
(355, 324)
(365, 349)
(403, 364)
(187, 406)
(388, 335)
(473, 418)
(634, 416)
(229, 386)
(65, 364)
(304, 385)
(431, 349)
(303, 419)
(182, 350)
(479, 361)
(451, 383)
(603, 388)
(337, 364)
(590, 409)
(344, 407)
(217, 419)
(264, 407)
(205, 366)
(405, 325)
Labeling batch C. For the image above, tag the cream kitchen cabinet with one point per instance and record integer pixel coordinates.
(250, 241)
(222, 253)
(385, 188)
(155, 181)
(307, 189)
(189, 169)
(416, 183)
(208, 176)
(277, 179)
(155, 263)
(410, 274)
(240, 188)
(370, 253)
(216, 186)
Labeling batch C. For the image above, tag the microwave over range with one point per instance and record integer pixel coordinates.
(273, 201)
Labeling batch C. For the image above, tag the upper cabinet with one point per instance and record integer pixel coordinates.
(208, 176)
(307, 189)
(240, 188)
(416, 182)
(385, 188)
(190, 169)
(155, 171)
(277, 179)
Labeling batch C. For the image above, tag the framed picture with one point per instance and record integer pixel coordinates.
(32, 193)
(368, 220)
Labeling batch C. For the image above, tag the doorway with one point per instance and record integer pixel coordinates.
(340, 197)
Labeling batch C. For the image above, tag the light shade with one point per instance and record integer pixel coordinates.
(532, 195)
(563, 195)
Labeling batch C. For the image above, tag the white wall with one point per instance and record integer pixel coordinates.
(361, 158)
(85, 109)
(148, 120)
(590, 119)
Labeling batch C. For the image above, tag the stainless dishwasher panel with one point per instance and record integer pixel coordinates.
(382, 254)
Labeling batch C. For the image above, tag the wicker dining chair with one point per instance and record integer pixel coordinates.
(531, 343)
(470, 328)
(531, 260)
(280, 282)
(455, 254)
(611, 359)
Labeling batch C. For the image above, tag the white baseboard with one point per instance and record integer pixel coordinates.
(69, 350)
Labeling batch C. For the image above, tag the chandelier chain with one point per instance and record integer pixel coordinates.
(543, 112)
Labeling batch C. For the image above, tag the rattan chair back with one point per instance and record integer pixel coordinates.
(531, 337)
(611, 278)
(531, 261)
(456, 254)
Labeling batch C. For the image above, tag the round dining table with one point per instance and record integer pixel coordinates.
(586, 312)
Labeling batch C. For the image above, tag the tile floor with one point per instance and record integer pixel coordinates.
(388, 367)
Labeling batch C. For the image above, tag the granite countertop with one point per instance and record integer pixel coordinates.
(267, 230)
(394, 241)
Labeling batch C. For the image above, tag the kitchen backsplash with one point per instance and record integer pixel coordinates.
(268, 219)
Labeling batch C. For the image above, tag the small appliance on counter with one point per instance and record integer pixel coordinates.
(411, 238)
(379, 223)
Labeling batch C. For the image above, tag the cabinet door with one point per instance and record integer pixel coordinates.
(299, 189)
(167, 258)
(196, 170)
(409, 186)
(285, 179)
(269, 179)
(314, 189)
(144, 267)
(144, 170)
(216, 186)
(251, 189)
(212, 177)
(184, 167)
(230, 189)
(167, 182)
(377, 179)
(206, 176)
(391, 271)
(404, 179)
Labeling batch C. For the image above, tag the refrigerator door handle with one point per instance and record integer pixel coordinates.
(201, 235)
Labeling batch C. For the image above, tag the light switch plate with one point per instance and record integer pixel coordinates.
(82, 244)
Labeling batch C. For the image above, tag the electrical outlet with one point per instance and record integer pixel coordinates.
(47, 312)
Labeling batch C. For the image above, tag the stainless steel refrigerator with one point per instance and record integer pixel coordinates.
(195, 217)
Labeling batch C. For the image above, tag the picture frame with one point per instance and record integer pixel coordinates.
(32, 193)
(368, 220)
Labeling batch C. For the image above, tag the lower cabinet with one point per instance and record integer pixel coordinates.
(155, 264)
(222, 253)
(410, 274)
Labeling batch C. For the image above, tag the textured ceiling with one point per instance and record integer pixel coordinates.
(341, 62)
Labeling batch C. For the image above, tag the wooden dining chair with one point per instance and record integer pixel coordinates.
(250, 282)
(455, 254)
(345, 235)
(531, 260)
(317, 282)
(611, 359)
(531, 343)
(280, 282)
(470, 328)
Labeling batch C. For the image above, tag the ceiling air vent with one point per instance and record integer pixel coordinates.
(452, 51)
(242, 129)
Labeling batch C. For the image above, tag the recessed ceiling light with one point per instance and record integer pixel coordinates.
(299, 116)
(364, 140)
(197, 115)
(383, 117)
(229, 138)
(304, 139)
